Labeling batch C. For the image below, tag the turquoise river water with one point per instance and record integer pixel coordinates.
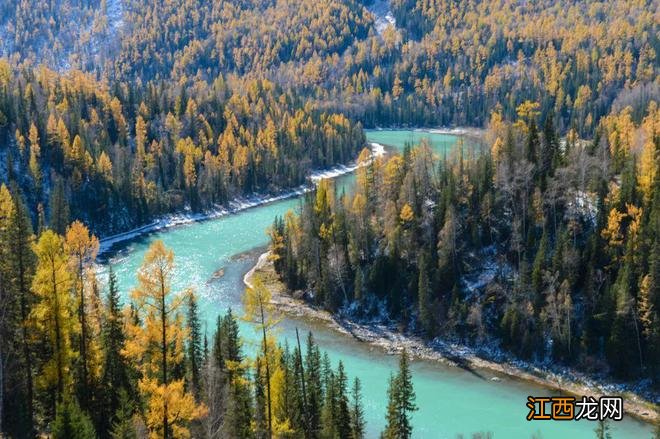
(451, 401)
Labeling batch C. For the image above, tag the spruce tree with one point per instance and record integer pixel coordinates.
(602, 430)
(17, 264)
(115, 380)
(343, 416)
(194, 345)
(357, 412)
(71, 422)
(313, 386)
(123, 426)
(59, 208)
(424, 296)
(329, 410)
(401, 403)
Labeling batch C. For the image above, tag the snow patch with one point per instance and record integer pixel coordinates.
(584, 205)
(382, 14)
(115, 14)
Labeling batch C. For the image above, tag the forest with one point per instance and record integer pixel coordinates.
(115, 113)
(146, 108)
(566, 232)
(77, 363)
(116, 159)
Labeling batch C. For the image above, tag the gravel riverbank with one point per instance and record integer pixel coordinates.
(393, 342)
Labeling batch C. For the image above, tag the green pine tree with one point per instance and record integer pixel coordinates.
(357, 412)
(194, 346)
(401, 402)
(123, 426)
(115, 377)
(71, 422)
(343, 416)
(314, 388)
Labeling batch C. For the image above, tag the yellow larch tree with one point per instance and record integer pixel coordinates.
(260, 311)
(365, 173)
(35, 154)
(648, 163)
(82, 248)
(156, 342)
(52, 317)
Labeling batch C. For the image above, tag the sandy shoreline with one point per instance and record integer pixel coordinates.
(393, 342)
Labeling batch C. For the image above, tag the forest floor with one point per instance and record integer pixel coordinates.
(393, 342)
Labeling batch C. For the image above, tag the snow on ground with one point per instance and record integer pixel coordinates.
(382, 14)
(485, 274)
(115, 14)
(584, 205)
(237, 205)
(377, 149)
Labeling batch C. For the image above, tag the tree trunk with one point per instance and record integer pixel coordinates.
(302, 379)
(26, 347)
(164, 352)
(58, 337)
(263, 329)
(83, 333)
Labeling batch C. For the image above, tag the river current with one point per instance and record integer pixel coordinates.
(213, 255)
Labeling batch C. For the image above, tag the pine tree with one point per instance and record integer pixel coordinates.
(123, 426)
(401, 402)
(357, 412)
(194, 346)
(115, 380)
(59, 208)
(72, 422)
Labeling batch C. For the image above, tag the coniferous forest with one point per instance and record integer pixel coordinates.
(115, 113)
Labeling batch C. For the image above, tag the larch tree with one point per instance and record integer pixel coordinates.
(82, 249)
(259, 310)
(35, 155)
(53, 316)
(156, 342)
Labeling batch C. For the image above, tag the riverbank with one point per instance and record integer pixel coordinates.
(236, 205)
(393, 342)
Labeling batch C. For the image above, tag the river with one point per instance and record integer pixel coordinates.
(451, 401)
